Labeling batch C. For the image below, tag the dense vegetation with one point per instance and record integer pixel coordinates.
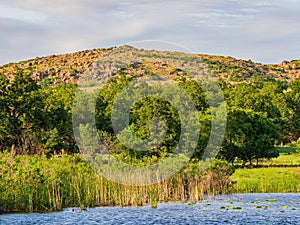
(34, 183)
(37, 117)
(40, 169)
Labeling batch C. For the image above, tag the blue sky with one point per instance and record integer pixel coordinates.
(262, 30)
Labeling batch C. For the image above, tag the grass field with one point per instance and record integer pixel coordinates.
(267, 180)
(284, 160)
(288, 157)
(278, 175)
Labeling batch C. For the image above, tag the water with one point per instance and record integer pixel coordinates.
(232, 209)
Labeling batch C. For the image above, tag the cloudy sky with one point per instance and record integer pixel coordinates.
(265, 31)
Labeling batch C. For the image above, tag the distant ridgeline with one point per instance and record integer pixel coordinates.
(69, 67)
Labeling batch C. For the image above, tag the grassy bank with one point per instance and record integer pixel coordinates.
(277, 175)
(35, 184)
(266, 180)
(285, 159)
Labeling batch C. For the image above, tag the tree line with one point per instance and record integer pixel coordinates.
(36, 118)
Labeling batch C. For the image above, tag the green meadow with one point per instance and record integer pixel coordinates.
(278, 175)
(285, 159)
(267, 180)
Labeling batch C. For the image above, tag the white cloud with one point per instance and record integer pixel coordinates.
(247, 29)
(9, 12)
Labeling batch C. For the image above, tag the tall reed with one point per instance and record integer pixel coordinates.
(36, 184)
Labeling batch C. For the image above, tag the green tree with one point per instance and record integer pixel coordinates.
(3, 112)
(250, 135)
(146, 111)
(21, 111)
(297, 145)
(293, 103)
(58, 135)
(268, 98)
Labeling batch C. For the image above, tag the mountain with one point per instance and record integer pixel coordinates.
(70, 67)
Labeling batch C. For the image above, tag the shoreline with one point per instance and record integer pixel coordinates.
(224, 198)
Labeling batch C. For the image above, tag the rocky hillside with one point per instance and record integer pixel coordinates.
(59, 68)
(236, 69)
(69, 67)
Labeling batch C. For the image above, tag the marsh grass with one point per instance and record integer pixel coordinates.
(37, 184)
(267, 180)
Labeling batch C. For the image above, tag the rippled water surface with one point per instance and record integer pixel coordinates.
(232, 209)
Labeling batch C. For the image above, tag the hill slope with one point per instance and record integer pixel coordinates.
(69, 67)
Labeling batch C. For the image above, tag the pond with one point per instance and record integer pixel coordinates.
(229, 209)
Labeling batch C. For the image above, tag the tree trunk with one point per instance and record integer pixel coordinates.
(13, 149)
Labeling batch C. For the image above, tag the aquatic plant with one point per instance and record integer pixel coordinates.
(37, 183)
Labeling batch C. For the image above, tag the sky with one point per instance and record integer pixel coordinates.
(266, 31)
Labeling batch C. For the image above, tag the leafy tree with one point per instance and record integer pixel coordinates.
(250, 135)
(293, 103)
(34, 119)
(22, 112)
(144, 112)
(260, 97)
(297, 145)
(3, 112)
(268, 98)
(58, 135)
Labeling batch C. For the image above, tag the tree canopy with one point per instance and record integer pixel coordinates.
(36, 117)
(250, 135)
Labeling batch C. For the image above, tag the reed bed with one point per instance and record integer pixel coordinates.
(37, 184)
